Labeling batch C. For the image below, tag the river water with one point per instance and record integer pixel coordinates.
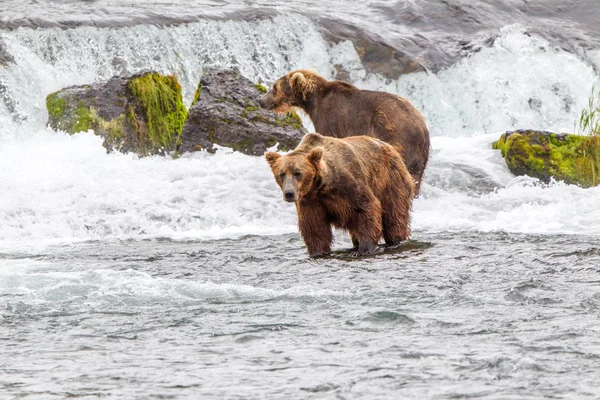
(147, 278)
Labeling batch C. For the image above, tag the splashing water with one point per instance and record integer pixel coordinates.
(66, 188)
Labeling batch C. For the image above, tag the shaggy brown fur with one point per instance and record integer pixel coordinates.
(358, 184)
(340, 110)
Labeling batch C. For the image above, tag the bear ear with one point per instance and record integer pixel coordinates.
(271, 157)
(299, 79)
(315, 155)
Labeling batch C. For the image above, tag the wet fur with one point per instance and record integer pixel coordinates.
(339, 109)
(358, 184)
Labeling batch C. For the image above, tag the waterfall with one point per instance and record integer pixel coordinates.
(67, 188)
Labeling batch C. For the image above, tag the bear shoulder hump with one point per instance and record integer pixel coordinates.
(313, 139)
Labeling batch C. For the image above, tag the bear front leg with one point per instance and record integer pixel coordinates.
(315, 229)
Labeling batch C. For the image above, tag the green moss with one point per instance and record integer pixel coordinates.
(260, 88)
(159, 98)
(197, 93)
(292, 119)
(132, 119)
(271, 142)
(84, 119)
(63, 117)
(261, 118)
(56, 106)
(114, 130)
(244, 144)
(249, 108)
(546, 156)
(211, 135)
(281, 146)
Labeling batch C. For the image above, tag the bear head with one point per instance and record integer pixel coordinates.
(295, 173)
(291, 90)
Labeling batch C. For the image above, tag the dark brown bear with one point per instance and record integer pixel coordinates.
(358, 184)
(340, 110)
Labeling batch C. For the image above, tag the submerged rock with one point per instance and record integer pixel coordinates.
(225, 112)
(143, 113)
(573, 159)
(376, 55)
(5, 57)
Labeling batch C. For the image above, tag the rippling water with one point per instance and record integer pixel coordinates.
(446, 316)
(157, 278)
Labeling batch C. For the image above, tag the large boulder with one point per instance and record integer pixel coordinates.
(225, 112)
(573, 159)
(143, 113)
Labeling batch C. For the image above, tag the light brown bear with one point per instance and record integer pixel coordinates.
(359, 184)
(339, 109)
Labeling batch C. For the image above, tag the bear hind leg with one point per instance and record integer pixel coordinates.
(354, 241)
(367, 228)
(396, 219)
(416, 171)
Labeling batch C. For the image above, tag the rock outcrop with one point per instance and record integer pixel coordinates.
(573, 159)
(143, 113)
(225, 112)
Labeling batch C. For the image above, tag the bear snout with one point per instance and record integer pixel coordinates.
(289, 196)
(266, 102)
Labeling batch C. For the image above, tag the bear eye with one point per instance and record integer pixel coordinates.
(298, 174)
(281, 175)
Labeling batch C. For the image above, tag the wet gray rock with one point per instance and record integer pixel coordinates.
(376, 55)
(225, 112)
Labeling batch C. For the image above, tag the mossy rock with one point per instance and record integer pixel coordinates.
(143, 113)
(545, 155)
(225, 112)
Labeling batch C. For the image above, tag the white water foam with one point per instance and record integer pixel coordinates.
(521, 82)
(67, 187)
(506, 203)
(37, 283)
(60, 188)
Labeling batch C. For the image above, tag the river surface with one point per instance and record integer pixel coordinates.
(151, 278)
